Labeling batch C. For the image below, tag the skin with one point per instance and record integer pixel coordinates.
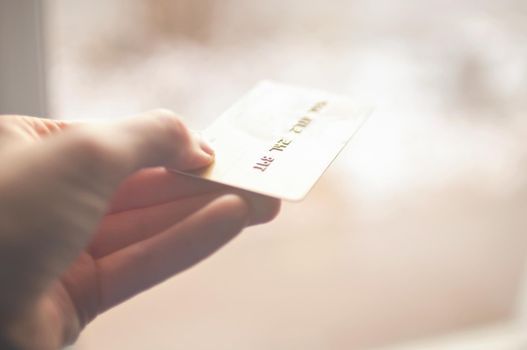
(90, 216)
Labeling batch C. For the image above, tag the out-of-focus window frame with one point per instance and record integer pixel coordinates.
(22, 58)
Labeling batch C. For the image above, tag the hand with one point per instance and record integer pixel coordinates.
(89, 216)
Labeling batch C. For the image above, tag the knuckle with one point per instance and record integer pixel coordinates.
(170, 122)
(95, 153)
(176, 136)
(90, 147)
(176, 129)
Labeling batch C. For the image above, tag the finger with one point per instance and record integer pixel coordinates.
(128, 227)
(155, 186)
(122, 229)
(157, 138)
(142, 265)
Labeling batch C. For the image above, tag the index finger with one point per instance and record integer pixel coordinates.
(154, 186)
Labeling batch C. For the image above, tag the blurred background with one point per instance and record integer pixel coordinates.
(416, 236)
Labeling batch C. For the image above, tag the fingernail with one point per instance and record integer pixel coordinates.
(205, 151)
(205, 146)
(209, 158)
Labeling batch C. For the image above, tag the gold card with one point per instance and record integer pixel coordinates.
(278, 140)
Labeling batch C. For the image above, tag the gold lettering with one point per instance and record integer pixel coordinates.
(300, 125)
(318, 106)
(282, 144)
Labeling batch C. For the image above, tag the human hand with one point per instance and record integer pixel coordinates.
(89, 217)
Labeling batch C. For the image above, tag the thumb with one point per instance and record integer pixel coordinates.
(156, 138)
(55, 192)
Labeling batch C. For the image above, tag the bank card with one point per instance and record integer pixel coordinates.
(278, 140)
